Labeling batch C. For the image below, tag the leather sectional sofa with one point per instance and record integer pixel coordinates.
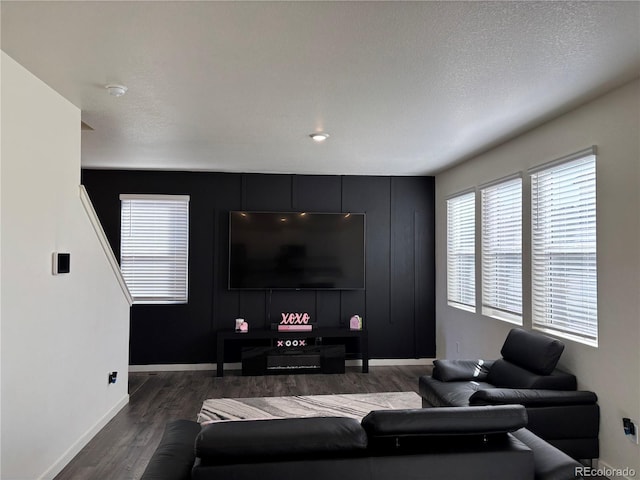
(483, 443)
(525, 375)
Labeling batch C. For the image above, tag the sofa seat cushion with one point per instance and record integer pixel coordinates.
(448, 394)
(277, 439)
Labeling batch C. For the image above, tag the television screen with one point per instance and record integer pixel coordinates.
(269, 250)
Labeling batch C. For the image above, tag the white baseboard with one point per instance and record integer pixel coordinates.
(179, 367)
(185, 367)
(74, 449)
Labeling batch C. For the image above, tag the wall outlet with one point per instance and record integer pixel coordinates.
(113, 377)
(630, 429)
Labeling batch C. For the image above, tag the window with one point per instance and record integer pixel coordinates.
(502, 250)
(154, 242)
(563, 223)
(461, 258)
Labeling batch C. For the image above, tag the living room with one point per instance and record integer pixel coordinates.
(62, 334)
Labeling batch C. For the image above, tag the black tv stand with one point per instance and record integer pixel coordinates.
(283, 360)
(270, 336)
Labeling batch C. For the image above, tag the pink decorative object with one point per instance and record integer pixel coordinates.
(295, 318)
(295, 328)
(291, 343)
(244, 327)
(355, 323)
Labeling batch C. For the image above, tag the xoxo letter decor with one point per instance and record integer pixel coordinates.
(295, 322)
(295, 319)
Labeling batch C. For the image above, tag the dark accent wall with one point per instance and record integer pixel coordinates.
(398, 304)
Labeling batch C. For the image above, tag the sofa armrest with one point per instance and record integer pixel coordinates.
(461, 370)
(531, 397)
(550, 463)
(175, 455)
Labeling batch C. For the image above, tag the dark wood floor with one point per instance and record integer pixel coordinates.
(122, 449)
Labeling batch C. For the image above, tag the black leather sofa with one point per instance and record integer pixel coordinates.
(525, 375)
(483, 443)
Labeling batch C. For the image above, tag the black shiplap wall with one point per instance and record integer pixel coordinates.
(397, 305)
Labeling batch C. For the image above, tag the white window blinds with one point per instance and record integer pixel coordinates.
(564, 277)
(154, 243)
(502, 250)
(461, 258)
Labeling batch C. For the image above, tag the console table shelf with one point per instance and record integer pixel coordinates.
(224, 336)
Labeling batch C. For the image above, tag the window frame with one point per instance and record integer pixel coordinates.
(177, 263)
(496, 295)
(457, 292)
(540, 305)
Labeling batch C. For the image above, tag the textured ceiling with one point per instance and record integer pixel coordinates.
(403, 88)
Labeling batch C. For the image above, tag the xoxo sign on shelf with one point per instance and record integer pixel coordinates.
(295, 322)
(291, 343)
(295, 318)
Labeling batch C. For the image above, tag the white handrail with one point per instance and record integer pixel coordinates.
(102, 237)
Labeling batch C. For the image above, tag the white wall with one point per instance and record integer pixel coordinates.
(61, 335)
(0, 272)
(612, 370)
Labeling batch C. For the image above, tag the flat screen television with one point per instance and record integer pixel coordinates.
(296, 250)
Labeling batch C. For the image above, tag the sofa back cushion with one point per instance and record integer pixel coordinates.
(505, 374)
(444, 421)
(532, 351)
(276, 439)
(448, 370)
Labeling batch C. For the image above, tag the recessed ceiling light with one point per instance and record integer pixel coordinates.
(319, 136)
(116, 90)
